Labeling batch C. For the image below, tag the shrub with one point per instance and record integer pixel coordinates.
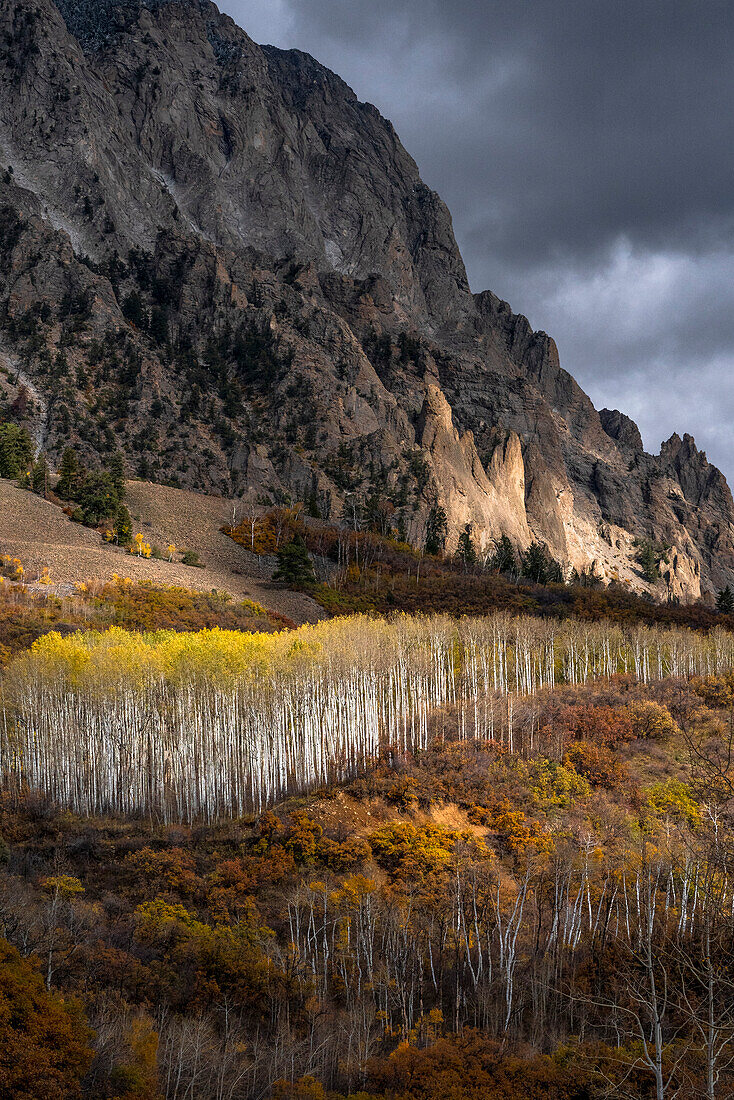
(190, 557)
(598, 764)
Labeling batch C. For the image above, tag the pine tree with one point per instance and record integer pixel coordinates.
(465, 550)
(725, 601)
(123, 526)
(116, 468)
(294, 563)
(373, 514)
(16, 450)
(436, 530)
(39, 476)
(649, 556)
(503, 560)
(97, 497)
(538, 565)
(159, 325)
(648, 562)
(554, 572)
(69, 474)
(133, 311)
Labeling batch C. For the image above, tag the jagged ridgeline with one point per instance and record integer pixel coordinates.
(216, 260)
(219, 723)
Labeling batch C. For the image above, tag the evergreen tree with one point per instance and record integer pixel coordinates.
(465, 550)
(159, 325)
(538, 565)
(69, 473)
(16, 450)
(534, 563)
(133, 311)
(373, 513)
(587, 578)
(648, 562)
(436, 530)
(554, 574)
(98, 497)
(503, 560)
(294, 563)
(725, 601)
(116, 468)
(123, 526)
(39, 476)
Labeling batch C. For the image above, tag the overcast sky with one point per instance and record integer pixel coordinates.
(585, 149)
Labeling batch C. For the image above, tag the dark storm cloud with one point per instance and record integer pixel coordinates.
(586, 151)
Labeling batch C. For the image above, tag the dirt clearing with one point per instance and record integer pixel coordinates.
(40, 534)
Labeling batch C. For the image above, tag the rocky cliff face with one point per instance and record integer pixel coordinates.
(214, 257)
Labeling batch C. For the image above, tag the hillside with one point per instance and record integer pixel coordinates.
(216, 259)
(41, 535)
(476, 920)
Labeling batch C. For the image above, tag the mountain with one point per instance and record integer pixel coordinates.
(216, 259)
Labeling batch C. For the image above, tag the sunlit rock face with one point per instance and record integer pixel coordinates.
(214, 257)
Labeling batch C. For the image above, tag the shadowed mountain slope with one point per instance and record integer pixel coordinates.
(215, 258)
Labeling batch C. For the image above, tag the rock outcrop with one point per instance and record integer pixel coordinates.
(215, 258)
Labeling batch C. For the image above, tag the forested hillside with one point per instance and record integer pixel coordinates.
(219, 723)
(548, 915)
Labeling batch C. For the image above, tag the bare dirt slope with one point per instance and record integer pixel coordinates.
(40, 534)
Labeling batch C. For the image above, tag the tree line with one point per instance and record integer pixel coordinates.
(463, 922)
(219, 723)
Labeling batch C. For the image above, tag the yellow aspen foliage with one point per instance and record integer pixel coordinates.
(225, 722)
(66, 886)
(671, 798)
(305, 1088)
(136, 1075)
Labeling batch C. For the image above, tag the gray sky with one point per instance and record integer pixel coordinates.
(586, 151)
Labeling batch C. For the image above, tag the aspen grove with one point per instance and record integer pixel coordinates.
(219, 723)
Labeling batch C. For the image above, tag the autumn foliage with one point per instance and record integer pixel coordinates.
(485, 908)
(26, 615)
(373, 572)
(45, 1046)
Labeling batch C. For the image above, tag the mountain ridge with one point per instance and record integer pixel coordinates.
(248, 288)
